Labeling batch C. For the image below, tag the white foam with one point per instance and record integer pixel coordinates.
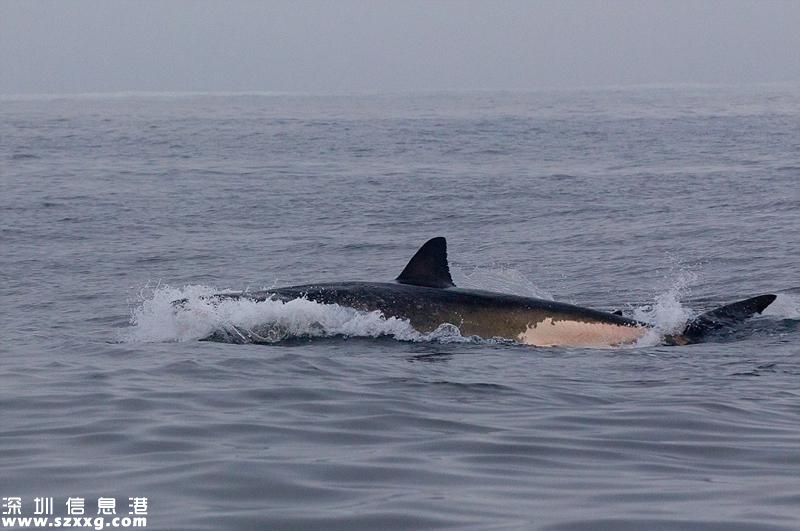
(156, 319)
(666, 315)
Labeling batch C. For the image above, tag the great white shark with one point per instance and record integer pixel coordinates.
(425, 295)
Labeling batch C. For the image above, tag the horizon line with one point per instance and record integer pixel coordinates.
(372, 92)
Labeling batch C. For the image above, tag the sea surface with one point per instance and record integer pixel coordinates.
(661, 202)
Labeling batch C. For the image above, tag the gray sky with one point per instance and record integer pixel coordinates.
(351, 46)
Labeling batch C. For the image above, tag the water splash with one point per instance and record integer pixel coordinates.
(156, 319)
(502, 280)
(786, 306)
(667, 315)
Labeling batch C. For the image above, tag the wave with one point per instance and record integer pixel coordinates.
(155, 319)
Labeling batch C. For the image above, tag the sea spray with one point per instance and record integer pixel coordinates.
(156, 319)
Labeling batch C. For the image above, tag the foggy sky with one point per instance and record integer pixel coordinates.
(378, 46)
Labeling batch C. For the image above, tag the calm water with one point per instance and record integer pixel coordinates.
(659, 202)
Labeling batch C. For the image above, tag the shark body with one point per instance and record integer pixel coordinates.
(426, 296)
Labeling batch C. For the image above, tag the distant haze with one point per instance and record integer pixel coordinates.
(380, 46)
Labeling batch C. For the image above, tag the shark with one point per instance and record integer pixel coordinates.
(424, 294)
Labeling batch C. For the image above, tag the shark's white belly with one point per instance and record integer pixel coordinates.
(550, 333)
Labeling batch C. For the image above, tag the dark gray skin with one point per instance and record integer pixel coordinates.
(474, 312)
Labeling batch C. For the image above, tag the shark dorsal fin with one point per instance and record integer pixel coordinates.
(429, 266)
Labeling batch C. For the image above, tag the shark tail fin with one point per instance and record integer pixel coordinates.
(721, 318)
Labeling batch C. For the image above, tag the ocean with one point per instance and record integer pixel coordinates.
(662, 202)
